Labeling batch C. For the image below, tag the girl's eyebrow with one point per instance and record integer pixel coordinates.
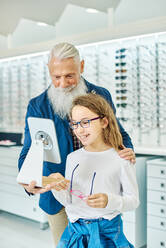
(85, 118)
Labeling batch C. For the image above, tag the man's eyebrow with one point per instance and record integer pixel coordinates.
(59, 75)
(70, 73)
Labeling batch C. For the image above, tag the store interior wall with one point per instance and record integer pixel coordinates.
(75, 20)
(3, 43)
(134, 10)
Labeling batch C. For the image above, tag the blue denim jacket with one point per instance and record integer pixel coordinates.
(96, 233)
(41, 107)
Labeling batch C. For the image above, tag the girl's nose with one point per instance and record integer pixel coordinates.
(80, 129)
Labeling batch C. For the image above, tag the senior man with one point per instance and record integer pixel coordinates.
(65, 69)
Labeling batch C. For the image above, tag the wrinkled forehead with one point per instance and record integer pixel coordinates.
(56, 61)
(56, 64)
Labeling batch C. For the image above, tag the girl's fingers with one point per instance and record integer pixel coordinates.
(95, 204)
(61, 184)
(97, 200)
(56, 181)
(94, 196)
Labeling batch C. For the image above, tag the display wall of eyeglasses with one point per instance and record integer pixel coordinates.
(20, 80)
(133, 70)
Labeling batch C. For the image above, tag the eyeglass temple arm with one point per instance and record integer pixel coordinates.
(71, 183)
(92, 183)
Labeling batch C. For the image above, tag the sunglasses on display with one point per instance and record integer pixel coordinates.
(123, 105)
(122, 70)
(120, 77)
(123, 119)
(121, 91)
(120, 56)
(122, 50)
(121, 97)
(120, 64)
(121, 85)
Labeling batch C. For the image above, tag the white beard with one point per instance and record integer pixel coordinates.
(61, 98)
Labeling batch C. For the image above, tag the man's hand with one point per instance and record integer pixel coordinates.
(53, 181)
(97, 200)
(31, 188)
(128, 154)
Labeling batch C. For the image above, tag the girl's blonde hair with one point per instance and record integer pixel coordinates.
(100, 106)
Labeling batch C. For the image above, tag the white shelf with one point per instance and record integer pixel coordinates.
(13, 197)
(150, 150)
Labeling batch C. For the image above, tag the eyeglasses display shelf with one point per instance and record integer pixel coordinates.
(13, 197)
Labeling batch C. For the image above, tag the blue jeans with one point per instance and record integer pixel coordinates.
(94, 233)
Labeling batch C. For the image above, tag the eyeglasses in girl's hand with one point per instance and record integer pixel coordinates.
(79, 194)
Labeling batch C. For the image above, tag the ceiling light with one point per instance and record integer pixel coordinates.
(42, 24)
(92, 11)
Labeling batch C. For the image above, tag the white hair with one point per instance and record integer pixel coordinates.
(63, 51)
(61, 98)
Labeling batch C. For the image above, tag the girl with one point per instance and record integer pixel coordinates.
(102, 185)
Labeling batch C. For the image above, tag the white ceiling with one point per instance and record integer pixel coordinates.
(47, 11)
(19, 20)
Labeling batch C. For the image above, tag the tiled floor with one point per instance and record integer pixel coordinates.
(18, 232)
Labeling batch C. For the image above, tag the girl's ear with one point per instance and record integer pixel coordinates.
(105, 122)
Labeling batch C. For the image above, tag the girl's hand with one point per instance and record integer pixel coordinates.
(56, 181)
(97, 200)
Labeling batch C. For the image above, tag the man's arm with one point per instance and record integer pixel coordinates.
(30, 189)
(27, 137)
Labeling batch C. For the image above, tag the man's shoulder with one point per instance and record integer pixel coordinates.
(40, 99)
(98, 90)
(39, 105)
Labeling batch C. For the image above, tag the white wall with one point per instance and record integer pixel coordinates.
(75, 20)
(134, 10)
(28, 32)
(3, 42)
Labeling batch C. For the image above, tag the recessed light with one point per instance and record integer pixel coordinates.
(42, 24)
(92, 11)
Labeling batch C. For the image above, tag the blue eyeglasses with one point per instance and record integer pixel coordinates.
(78, 193)
(83, 123)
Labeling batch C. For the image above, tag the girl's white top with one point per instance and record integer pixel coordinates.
(114, 176)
